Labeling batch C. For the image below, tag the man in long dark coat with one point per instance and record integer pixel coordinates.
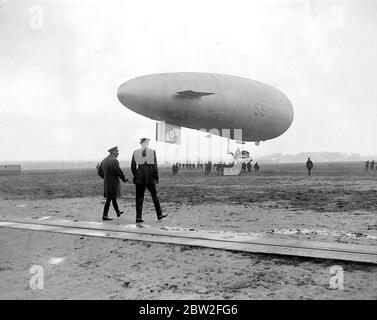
(145, 171)
(110, 171)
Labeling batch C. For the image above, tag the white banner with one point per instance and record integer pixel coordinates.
(168, 133)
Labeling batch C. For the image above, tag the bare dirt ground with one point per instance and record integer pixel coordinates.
(337, 203)
(96, 268)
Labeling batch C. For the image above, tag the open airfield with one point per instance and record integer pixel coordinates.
(338, 203)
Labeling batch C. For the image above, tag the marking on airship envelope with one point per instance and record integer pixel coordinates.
(260, 109)
(189, 94)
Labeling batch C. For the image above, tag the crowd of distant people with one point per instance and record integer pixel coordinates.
(208, 166)
(370, 165)
(245, 166)
(189, 166)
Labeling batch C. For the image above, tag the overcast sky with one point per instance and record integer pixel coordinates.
(61, 63)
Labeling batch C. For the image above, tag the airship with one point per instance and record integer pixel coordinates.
(208, 101)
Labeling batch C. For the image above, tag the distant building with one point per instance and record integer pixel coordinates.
(11, 169)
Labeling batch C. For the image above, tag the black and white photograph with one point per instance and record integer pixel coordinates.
(204, 151)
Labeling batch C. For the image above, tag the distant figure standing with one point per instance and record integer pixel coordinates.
(309, 166)
(145, 171)
(256, 167)
(175, 169)
(206, 169)
(110, 172)
(219, 169)
(243, 167)
(372, 165)
(367, 165)
(249, 166)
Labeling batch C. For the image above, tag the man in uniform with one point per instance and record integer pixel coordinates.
(309, 166)
(110, 172)
(145, 172)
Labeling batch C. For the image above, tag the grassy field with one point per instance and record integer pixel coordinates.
(332, 187)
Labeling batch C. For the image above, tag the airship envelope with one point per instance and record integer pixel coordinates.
(210, 101)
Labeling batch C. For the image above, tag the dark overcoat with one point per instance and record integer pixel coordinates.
(309, 164)
(110, 171)
(145, 173)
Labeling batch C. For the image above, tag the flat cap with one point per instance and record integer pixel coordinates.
(142, 140)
